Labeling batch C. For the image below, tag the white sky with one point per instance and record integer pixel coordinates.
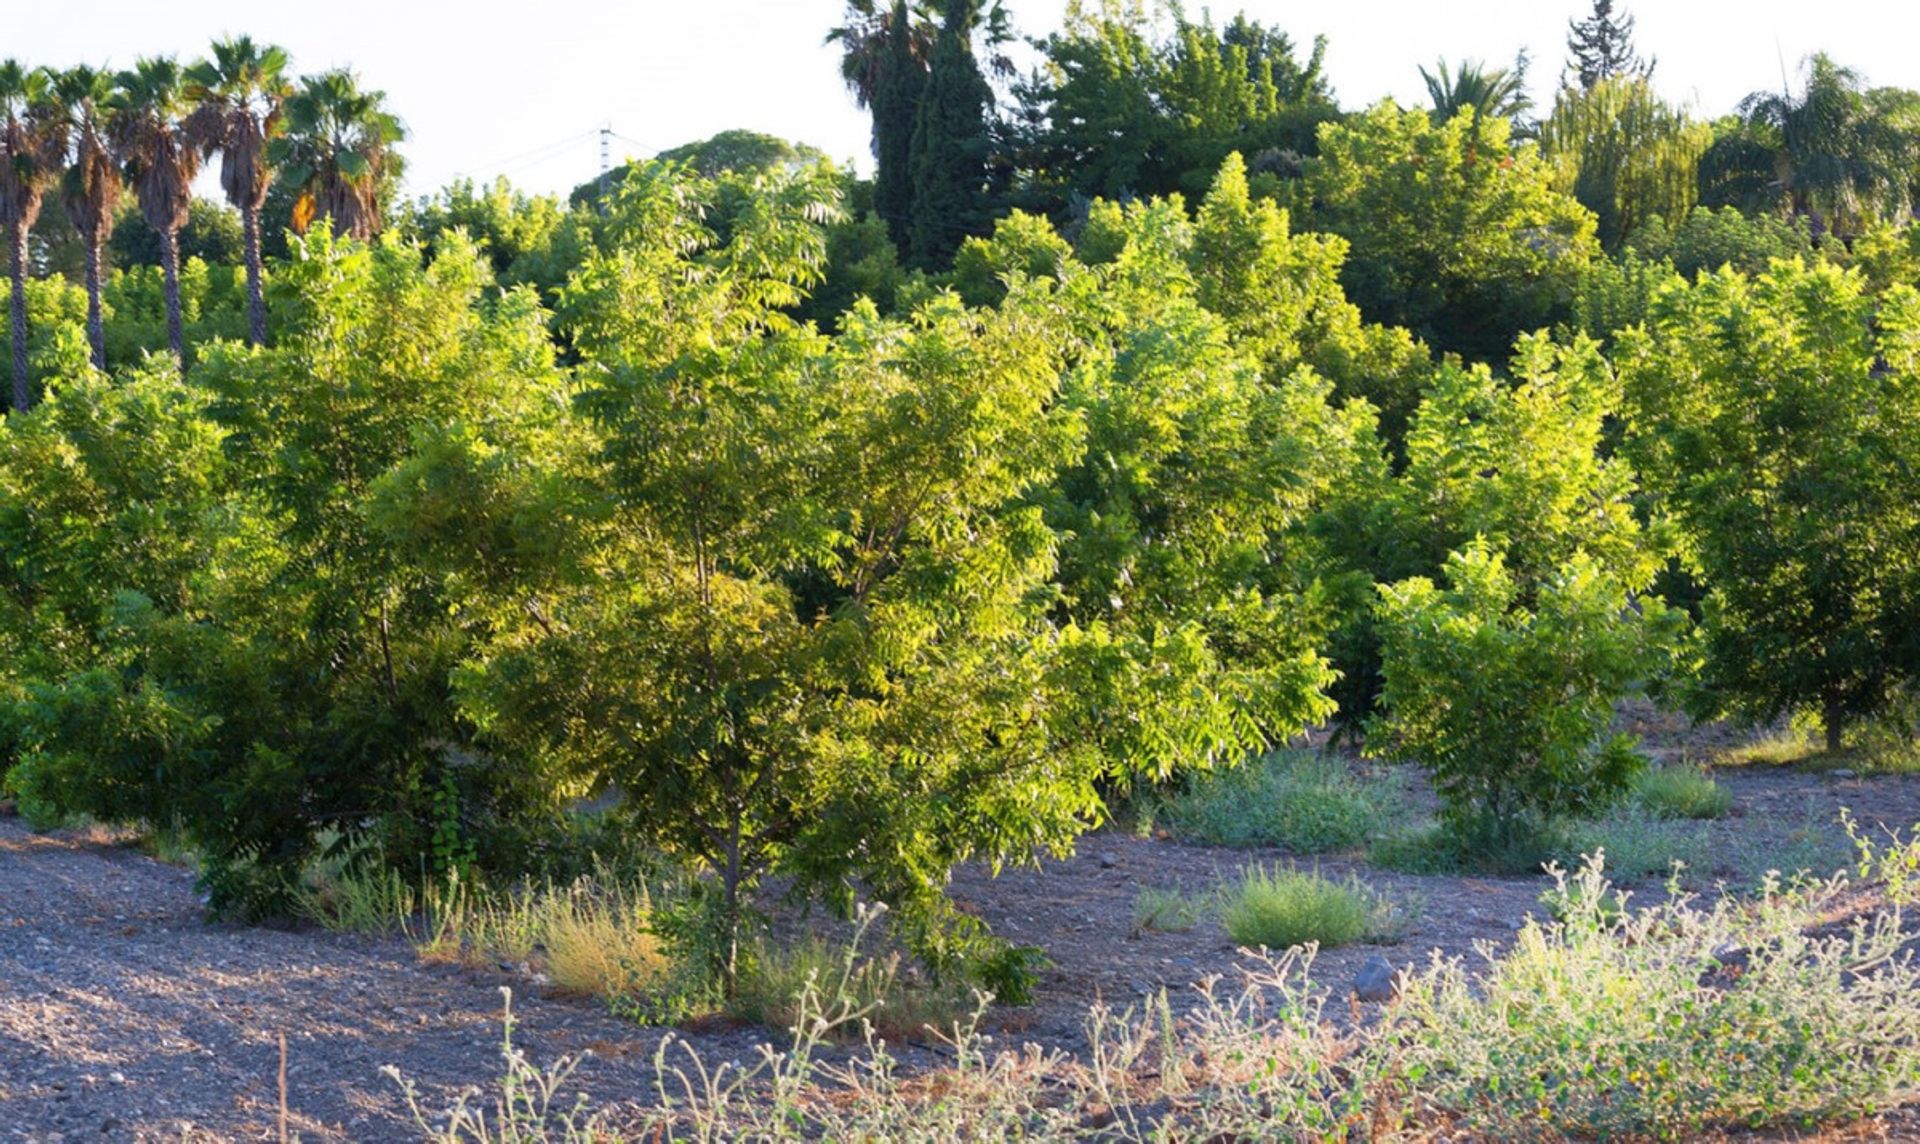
(487, 87)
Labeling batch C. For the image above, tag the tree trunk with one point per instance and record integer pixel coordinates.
(170, 270)
(1835, 720)
(256, 297)
(96, 322)
(22, 388)
(729, 951)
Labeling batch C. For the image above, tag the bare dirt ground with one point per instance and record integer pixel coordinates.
(124, 1016)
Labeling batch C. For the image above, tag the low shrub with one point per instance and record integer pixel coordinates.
(1276, 908)
(1667, 1020)
(1637, 844)
(1300, 801)
(1681, 792)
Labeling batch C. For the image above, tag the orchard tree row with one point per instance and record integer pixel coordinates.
(856, 606)
(848, 530)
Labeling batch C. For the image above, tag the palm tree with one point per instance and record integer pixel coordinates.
(239, 94)
(90, 189)
(1837, 153)
(338, 150)
(865, 38)
(160, 162)
(31, 148)
(1490, 92)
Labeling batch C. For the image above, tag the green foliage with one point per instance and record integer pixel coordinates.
(1278, 908)
(1774, 419)
(1663, 1021)
(212, 234)
(1118, 112)
(1303, 802)
(1452, 234)
(743, 152)
(527, 238)
(1505, 705)
(1681, 792)
(290, 671)
(947, 157)
(1837, 153)
(1488, 92)
(213, 305)
(1521, 463)
(1624, 153)
(1707, 239)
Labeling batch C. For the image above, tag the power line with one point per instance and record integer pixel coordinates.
(547, 150)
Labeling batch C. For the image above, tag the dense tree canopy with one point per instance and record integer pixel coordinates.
(1204, 415)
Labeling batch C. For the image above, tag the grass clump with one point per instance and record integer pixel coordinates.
(1167, 911)
(898, 1006)
(1681, 792)
(1276, 908)
(1472, 846)
(1636, 842)
(1302, 801)
(602, 944)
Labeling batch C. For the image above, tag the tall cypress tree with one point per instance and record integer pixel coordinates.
(1601, 46)
(951, 144)
(896, 109)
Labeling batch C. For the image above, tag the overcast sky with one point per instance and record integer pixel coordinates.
(521, 88)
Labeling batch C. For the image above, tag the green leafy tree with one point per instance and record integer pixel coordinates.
(528, 238)
(1774, 417)
(161, 163)
(110, 497)
(297, 678)
(1627, 155)
(337, 150)
(746, 151)
(1188, 559)
(1451, 234)
(90, 187)
(1600, 48)
(213, 305)
(1117, 110)
(1505, 703)
(238, 94)
(32, 150)
(817, 591)
(1708, 238)
(1522, 464)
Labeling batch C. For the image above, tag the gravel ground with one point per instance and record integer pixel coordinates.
(124, 1016)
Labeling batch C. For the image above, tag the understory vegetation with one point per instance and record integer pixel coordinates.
(1606, 1020)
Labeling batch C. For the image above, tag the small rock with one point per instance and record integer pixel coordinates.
(1377, 980)
(1108, 861)
(1843, 773)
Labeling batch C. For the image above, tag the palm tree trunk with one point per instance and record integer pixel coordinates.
(170, 271)
(256, 298)
(22, 389)
(96, 322)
